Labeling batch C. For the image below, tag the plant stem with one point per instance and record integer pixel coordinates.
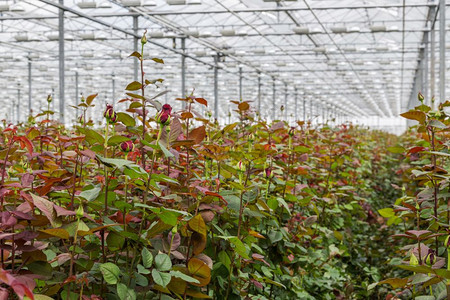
(143, 103)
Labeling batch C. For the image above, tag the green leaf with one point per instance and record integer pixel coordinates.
(239, 247)
(417, 269)
(134, 86)
(110, 272)
(91, 194)
(166, 152)
(115, 162)
(163, 262)
(396, 149)
(41, 268)
(117, 139)
(160, 278)
(135, 54)
(275, 236)
(93, 137)
(142, 270)
(168, 217)
(285, 205)
(437, 124)
(183, 276)
(126, 119)
(147, 258)
(386, 212)
(125, 293)
(225, 259)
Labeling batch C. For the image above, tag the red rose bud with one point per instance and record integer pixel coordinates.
(291, 131)
(268, 173)
(110, 114)
(420, 97)
(127, 146)
(167, 108)
(430, 258)
(163, 118)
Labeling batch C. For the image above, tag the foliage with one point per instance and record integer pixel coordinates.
(421, 215)
(172, 206)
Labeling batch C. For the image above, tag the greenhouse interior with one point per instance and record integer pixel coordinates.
(234, 149)
(361, 61)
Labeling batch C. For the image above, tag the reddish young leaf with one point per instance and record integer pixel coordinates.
(202, 101)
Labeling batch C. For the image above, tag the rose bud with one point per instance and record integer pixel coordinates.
(80, 211)
(144, 38)
(163, 116)
(420, 97)
(268, 173)
(291, 131)
(430, 258)
(447, 242)
(413, 261)
(241, 166)
(166, 108)
(110, 114)
(49, 98)
(127, 146)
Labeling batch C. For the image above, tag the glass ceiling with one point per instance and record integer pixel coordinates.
(351, 59)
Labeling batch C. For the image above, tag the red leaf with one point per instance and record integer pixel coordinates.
(27, 180)
(416, 149)
(202, 101)
(24, 142)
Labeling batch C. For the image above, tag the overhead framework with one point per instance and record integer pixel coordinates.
(338, 58)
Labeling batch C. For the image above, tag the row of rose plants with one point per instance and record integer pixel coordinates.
(421, 215)
(165, 204)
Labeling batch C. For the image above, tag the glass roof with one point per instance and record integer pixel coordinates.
(357, 59)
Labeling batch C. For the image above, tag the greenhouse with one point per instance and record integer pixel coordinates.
(236, 149)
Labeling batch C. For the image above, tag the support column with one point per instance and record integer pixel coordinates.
(433, 60)
(296, 105)
(29, 87)
(240, 83)
(135, 46)
(61, 63)
(273, 100)
(259, 93)
(77, 98)
(18, 104)
(183, 71)
(442, 51)
(113, 81)
(13, 103)
(285, 102)
(311, 110)
(425, 69)
(304, 109)
(216, 88)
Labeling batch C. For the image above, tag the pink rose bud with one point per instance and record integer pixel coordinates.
(241, 166)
